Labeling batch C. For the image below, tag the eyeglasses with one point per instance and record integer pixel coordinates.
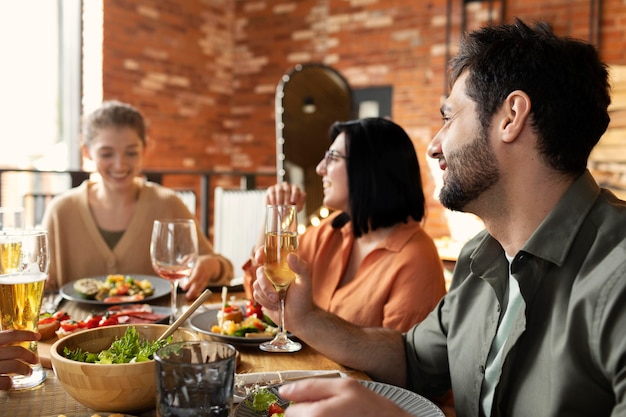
(332, 156)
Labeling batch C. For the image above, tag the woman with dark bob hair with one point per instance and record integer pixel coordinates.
(371, 261)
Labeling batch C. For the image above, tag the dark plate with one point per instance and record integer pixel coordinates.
(202, 322)
(161, 288)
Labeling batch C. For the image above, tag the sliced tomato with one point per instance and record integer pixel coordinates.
(46, 320)
(108, 321)
(92, 321)
(275, 409)
(122, 289)
(70, 325)
(254, 309)
(61, 315)
(228, 308)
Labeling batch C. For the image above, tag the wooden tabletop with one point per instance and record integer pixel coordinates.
(50, 399)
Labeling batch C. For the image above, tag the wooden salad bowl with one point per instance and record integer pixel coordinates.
(127, 387)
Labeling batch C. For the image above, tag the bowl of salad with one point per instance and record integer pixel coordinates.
(112, 368)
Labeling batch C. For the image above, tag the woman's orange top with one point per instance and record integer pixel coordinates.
(397, 284)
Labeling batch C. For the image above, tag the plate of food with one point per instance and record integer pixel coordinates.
(265, 402)
(61, 323)
(242, 326)
(115, 289)
(248, 383)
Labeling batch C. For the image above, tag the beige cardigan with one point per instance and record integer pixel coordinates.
(78, 250)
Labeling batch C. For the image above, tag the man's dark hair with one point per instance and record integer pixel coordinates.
(566, 81)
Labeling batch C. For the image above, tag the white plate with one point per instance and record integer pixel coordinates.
(99, 414)
(407, 400)
(202, 322)
(270, 377)
(161, 287)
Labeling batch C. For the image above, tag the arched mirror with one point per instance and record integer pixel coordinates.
(309, 99)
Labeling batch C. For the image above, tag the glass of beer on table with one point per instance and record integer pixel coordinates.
(24, 259)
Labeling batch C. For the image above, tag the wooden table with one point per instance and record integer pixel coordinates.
(50, 399)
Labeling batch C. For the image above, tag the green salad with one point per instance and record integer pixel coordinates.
(266, 402)
(127, 349)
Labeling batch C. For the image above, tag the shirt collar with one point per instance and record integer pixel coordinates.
(564, 221)
(395, 241)
(560, 227)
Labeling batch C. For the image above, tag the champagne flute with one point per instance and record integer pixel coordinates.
(281, 239)
(24, 261)
(174, 252)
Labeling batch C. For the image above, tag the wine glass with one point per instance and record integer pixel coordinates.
(174, 252)
(24, 260)
(281, 239)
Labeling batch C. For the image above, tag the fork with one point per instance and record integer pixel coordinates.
(243, 390)
(51, 302)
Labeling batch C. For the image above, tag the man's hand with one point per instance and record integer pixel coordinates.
(15, 359)
(336, 397)
(298, 303)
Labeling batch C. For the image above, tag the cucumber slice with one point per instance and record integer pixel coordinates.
(87, 287)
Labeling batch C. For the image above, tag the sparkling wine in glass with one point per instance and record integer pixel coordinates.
(281, 239)
(24, 259)
(174, 252)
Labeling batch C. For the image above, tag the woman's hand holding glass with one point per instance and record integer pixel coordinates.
(285, 194)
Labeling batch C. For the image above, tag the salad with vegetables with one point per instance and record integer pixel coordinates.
(254, 324)
(267, 402)
(127, 349)
(114, 288)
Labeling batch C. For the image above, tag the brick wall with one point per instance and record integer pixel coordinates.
(204, 72)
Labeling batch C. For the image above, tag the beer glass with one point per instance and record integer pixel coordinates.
(24, 258)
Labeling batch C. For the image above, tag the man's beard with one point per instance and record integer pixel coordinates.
(471, 170)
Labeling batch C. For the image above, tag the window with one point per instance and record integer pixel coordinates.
(40, 80)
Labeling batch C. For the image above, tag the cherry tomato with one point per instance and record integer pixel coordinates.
(228, 308)
(108, 321)
(122, 289)
(275, 409)
(254, 309)
(92, 321)
(46, 320)
(61, 315)
(70, 325)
